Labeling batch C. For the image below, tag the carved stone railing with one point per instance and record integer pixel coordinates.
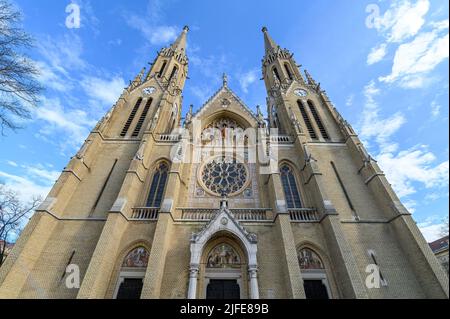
(145, 213)
(281, 139)
(169, 138)
(304, 215)
(241, 214)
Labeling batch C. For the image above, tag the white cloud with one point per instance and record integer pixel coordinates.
(435, 109)
(349, 101)
(248, 78)
(72, 125)
(372, 126)
(64, 53)
(415, 165)
(25, 188)
(156, 35)
(12, 163)
(431, 228)
(403, 168)
(102, 90)
(415, 59)
(49, 78)
(402, 20)
(39, 172)
(377, 54)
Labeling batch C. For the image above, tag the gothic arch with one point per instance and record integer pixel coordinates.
(325, 274)
(298, 181)
(149, 178)
(222, 225)
(117, 273)
(241, 120)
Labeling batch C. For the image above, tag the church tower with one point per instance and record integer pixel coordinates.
(226, 204)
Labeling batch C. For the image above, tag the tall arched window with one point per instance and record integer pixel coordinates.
(276, 75)
(158, 185)
(162, 69)
(318, 120)
(290, 187)
(288, 71)
(131, 117)
(308, 123)
(174, 73)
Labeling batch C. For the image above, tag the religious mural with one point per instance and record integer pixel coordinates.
(223, 256)
(137, 258)
(308, 259)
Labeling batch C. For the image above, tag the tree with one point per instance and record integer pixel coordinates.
(19, 87)
(13, 214)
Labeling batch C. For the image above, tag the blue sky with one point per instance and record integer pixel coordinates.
(388, 77)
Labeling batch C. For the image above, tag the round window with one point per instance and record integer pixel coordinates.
(223, 176)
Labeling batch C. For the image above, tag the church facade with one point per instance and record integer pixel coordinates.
(223, 203)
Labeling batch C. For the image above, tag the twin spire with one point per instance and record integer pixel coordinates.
(180, 42)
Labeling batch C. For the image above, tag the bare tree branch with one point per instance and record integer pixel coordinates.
(19, 87)
(13, 214)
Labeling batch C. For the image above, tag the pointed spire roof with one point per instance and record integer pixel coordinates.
(269, 43)
(180, 42)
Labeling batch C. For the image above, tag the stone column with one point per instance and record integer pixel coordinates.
(193, 279)
(253, 275)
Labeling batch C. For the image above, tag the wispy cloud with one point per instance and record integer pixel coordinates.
(71, 124)
(435, 109)
(248, 78)
(12, 163)
(377, 54)
(432, 227)
(25, 187)
(405, 168)
(104, 91)
(372, 126)
(415, 165)
(414, 60)
(402, 20)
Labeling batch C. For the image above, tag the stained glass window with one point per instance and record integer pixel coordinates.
(224, 176)
(290, 187)
(158, 185)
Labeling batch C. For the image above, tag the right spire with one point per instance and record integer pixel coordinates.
(269, 44)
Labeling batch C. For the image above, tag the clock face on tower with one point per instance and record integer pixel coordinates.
(300, 92)
(149, 90)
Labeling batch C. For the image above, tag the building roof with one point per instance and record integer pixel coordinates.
(439, 245)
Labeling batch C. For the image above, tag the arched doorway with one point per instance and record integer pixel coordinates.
(223, 260)
(314, 274)
(224, 267)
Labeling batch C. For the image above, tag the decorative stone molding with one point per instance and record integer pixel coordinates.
(223, 221)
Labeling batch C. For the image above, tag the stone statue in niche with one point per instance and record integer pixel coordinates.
(137, 258)
(223, 256)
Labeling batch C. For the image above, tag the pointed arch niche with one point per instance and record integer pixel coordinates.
(132, 272)
(314, 273)
(223, 252)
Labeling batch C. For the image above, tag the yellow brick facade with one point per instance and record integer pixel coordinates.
(98, 210)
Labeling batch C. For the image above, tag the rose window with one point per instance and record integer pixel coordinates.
(224, 176)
